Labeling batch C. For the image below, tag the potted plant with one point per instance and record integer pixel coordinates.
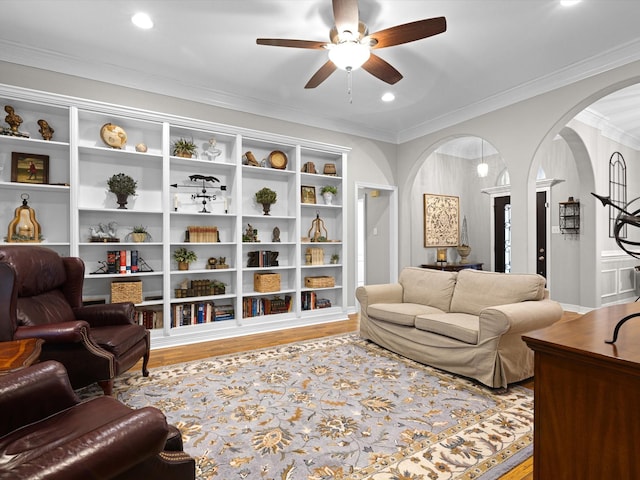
(184, 148)
(139, 233)
(327, 192)
(266, 197)
(122, 185)
(335, 258)
(184, 257)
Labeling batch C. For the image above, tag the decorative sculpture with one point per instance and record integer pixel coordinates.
(45, 130)
(625, 217)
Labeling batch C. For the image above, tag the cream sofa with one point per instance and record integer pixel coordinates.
(469, 322)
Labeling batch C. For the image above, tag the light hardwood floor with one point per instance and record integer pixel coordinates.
(170, 356)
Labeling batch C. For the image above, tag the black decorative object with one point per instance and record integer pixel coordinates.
(632, 219)
(204, 195)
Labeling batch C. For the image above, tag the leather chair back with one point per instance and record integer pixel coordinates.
(48, 286)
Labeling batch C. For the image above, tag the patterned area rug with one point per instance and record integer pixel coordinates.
(335, 409)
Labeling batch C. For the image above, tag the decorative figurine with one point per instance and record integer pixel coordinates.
(104, 232)
(211, 151)
(45, 130)
(250, 234)
(14, 120)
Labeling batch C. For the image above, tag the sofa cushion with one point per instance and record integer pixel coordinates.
(476, 290)
(399, 313)
(460, 326)
(428, 287)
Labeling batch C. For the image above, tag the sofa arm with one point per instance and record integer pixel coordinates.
(62, 332)
(381, 293)
(34, 393)
(518, 318)
(104, 315)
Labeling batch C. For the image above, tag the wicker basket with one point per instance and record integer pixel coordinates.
(266, 282)
(130, 291)
(319, 282)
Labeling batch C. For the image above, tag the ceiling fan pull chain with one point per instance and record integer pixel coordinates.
(349, 85)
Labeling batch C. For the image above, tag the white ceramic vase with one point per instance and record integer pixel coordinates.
(328, 198)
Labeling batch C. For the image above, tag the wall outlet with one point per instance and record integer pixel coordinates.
(555, 228)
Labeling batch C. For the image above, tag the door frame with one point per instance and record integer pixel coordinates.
(360, 187)
(503, 190)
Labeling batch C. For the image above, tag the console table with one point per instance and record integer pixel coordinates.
(17, 354)
(587, 393)
(452, 267)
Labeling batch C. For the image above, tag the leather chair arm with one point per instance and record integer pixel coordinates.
(76, 331)
(109, 314)
(34, 393)
(105, 452)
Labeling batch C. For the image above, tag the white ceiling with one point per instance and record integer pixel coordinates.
(494, 52)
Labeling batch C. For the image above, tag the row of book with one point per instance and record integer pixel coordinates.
(150, 318)
(257, 306)
(123, 261)
(310, 301)
(200, 312)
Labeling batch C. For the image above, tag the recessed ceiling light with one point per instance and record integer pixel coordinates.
(388, 97)
(569, 3)
(142, 20)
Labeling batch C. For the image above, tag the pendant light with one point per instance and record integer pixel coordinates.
(483, 167)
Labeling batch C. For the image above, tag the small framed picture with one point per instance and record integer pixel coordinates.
(29, 168)
(308, 194)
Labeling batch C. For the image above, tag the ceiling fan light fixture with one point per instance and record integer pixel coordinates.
(142, 20)
(349, 55)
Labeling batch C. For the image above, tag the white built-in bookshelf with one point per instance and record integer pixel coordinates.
(75, 202)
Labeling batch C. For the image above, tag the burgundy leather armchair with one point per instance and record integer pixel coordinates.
(41, 296)
(48, 433)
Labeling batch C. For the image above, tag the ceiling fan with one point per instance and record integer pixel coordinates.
(351, 44)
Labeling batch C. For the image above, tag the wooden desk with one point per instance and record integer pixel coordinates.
(587, 397)
(452, 267)
(18, 354)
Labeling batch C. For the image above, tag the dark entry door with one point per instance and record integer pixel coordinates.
(502, 233)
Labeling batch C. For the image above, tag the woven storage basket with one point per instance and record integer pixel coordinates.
(266, 282)
(319, 282)
(130, 291)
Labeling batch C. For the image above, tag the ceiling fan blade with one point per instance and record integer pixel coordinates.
(381, 69)
(345, 14)
(408, 32)
(321, 75)
(283, 42)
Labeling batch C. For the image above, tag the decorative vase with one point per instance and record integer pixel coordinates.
(138, 237)
(328, 198)
(122, 200)
(463, 251)
(266, 207)
(183, 266)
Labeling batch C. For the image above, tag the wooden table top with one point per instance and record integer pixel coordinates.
(586, 335)
(18, 354)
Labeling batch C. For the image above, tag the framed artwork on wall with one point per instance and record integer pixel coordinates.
(308, 194)
(441, 220)
(29, 168)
